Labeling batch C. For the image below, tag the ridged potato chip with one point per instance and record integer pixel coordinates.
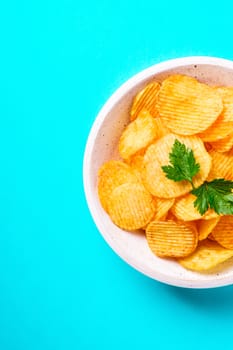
(171, 216)
(218, 131)
(138, 135)
(137, 165)
(112, 174)
(223, 125)
(227, 96)
(131, 206)
(145, 99)
(162, 206)
(162, 130)
(171, 239)
(208, 255)
(184, 209)
(222, 165)
(186, 106)
(208, 146)
(223, 231)
(205, 227)
(223, 145)
(211, 237)
(157, 155)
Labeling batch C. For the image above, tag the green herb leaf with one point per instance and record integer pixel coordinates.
(184, 166)
(216, 194)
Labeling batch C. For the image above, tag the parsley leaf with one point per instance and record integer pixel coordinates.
(184, 166)
(216, 194)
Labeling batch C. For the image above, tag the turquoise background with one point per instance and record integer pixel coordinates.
(61, 286)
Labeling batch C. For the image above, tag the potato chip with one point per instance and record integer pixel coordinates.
(137, 135)
(184, 209)
(219, 130)
(223, 145)
(186, 106)
(211, 237)
(137, 165)
(162, 130)
(162, 206)
(223, 125)
(131, 206)
(222, 165)
(112, 174)
(171, 216)
(157, 155)
(145, 99)
(223, 231)
(171, 239)
(191, 224)
(163, 218)
(157, 213)
(208, 146)
(205, 227)
(208, 255)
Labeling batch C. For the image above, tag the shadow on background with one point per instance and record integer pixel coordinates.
(214, 300)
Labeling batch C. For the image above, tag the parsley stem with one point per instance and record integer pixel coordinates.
(192, 185)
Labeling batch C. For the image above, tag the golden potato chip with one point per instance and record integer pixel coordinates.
(222, 165)
(162, 206)
(162, 130)
(223, 125)
(131, 206)
(171, 239)
(208, 255)
(184, 209)
(137, 135)
(157, 155)
(223, 231)
(186, 106)
(191, 224)
(208, 146)
(223, 145)
(158, 213)
(145, 99)
(211, 237)
(219, 130)
(205, 227)
(163, 218)
(137, 165)
(112, 174)
(171, 216)
(227, 96)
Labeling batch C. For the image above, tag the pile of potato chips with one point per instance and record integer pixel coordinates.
(135, 191)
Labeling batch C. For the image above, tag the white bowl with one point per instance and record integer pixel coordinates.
(102, 146)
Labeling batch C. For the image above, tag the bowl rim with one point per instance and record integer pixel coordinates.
(111, 101)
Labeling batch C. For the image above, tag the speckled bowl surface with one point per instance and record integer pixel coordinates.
(102, 146)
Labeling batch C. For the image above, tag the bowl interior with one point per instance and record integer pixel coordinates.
(102, 146)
